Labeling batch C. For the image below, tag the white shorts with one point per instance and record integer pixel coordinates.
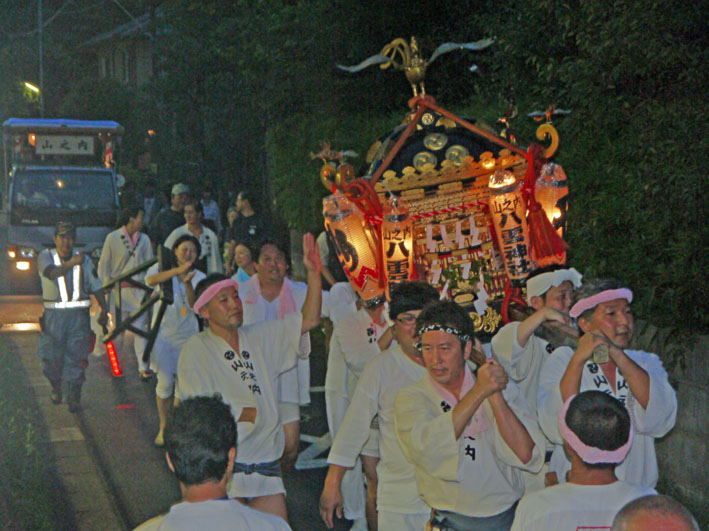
(371, 447)
(288, 412)
(253, 485)
(390, 521)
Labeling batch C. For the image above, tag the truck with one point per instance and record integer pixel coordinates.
(55, 170)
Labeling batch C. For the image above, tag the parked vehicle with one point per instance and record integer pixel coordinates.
(55, 169)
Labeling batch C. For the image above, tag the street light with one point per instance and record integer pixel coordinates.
(33, 88)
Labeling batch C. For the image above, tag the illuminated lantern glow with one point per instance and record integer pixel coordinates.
(552, 192)
(397, 242)
(508, 210)
(356, 243)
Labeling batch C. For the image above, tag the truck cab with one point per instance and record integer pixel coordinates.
(55, 170)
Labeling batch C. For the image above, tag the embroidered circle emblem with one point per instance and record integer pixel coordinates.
(445, 406)
(245, 355)
(229, 354)
(550, 348)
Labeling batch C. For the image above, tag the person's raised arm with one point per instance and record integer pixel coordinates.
(189, 290)
(56, 271)
(488, 382)
(162, 276)
(527, 327)
(571, 380)
(638, 379)
(511, 428)
(313, 297)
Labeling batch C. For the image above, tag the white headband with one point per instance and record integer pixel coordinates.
(539, 285)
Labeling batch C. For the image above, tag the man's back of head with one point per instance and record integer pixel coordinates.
(198, 438)
(654, 512)
(597, 428)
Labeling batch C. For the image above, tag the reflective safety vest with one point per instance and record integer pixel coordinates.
(75, 301)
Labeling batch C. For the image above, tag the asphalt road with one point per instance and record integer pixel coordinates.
(119, 422)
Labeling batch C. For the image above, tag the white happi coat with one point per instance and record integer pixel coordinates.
(293, 384)
(476, 476)
(118, 256)
(245, 379)
(381, 380)
(640, 466)
(353, 344)
(343, 301)
(572, 506)
(207, 240)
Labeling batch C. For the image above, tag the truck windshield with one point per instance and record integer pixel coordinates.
(45, 195)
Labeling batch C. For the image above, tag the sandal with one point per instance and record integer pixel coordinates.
(159, 442)
(146, 376)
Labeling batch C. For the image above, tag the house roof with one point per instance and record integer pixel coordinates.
(138, 27)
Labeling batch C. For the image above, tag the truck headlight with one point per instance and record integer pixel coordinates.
(27, 252)
(15, 252)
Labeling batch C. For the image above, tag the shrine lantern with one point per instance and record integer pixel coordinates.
(552, 192)
(397, 242)
(508, 211)
(356, 244)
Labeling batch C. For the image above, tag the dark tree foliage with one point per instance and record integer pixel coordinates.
(245, 90)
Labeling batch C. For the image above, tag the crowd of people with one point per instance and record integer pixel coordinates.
(430, 428)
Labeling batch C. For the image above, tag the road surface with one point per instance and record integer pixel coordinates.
(105, 455)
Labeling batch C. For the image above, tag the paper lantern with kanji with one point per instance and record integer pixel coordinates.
(508, 211)
(356, 244)
(397, 242)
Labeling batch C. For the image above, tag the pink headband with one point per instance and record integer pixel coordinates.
(599, 298)
(590, 454)
(211, 291)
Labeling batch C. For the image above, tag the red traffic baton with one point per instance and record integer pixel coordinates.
(112, 358)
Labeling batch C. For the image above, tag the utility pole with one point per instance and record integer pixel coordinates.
(41, 64)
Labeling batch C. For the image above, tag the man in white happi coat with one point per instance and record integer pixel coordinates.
(468, 437)
(243, 363)
(522, 353)
(124, 249)
(634, 377)
(356, 339)
(597, 435)
(270, 295)
(200, 439)
(210, 261)
(399, 505)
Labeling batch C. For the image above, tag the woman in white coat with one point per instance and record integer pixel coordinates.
(179, 322)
